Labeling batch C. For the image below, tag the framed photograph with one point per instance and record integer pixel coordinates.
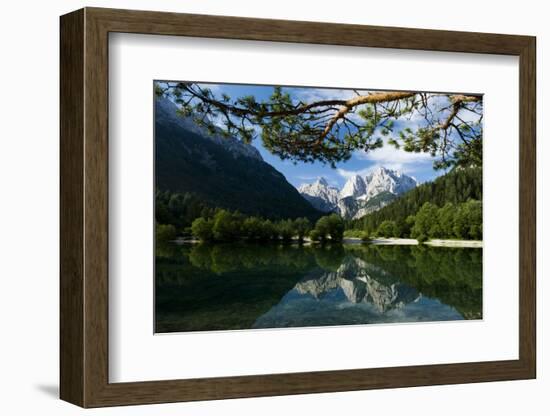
(256, 207)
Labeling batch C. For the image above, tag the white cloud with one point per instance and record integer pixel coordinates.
(407, 169)
(396, 159)
(308, 177)
(388, 154)
(399, 167)
(317, 94)
(390, 158)
(346, 174)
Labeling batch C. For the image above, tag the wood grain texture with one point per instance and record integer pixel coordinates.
(71, 208)
(84, 207)
(527, 207)
(225, 27)
(96, 208)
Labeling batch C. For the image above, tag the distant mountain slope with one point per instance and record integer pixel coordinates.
(360, 195)
(320, 194)
(455, 187)
(223, 171)
(387, 180)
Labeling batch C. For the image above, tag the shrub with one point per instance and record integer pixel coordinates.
(267, 230)
(365, 238)
(302, 226)
(227, 226)
(421, 238)
(285, 229)
(315, 235)
(336, 227)
(203, 229)
(435, 231)
(252, 228)
(387, 229)
(322, 228)
(165, 232)
(331, 225)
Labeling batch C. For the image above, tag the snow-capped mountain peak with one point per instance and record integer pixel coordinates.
(357, 197)
(320, 194)
(387, 180)
(355, 187)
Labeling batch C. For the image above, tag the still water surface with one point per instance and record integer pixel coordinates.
(240, 286)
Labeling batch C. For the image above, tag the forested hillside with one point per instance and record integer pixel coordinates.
(195, 170)
(456, 187)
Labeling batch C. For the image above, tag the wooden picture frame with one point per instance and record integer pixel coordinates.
(84, 207)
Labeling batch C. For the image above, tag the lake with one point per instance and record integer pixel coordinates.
(201, 287)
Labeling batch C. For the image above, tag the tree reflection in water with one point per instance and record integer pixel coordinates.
(241, 286)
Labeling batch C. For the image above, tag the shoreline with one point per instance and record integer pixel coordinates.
(413, 242)
(455, 243)
(382, 242)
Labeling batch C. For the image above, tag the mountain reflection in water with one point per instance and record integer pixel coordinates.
(224, 287)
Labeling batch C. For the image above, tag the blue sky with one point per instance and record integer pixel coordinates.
(418, 165)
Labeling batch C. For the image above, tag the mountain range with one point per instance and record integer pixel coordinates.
(356, 292)
(225, 172)
(222, 171)
(359, 284)
(360, 195)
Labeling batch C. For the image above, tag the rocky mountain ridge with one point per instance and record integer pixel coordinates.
(360, 195)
